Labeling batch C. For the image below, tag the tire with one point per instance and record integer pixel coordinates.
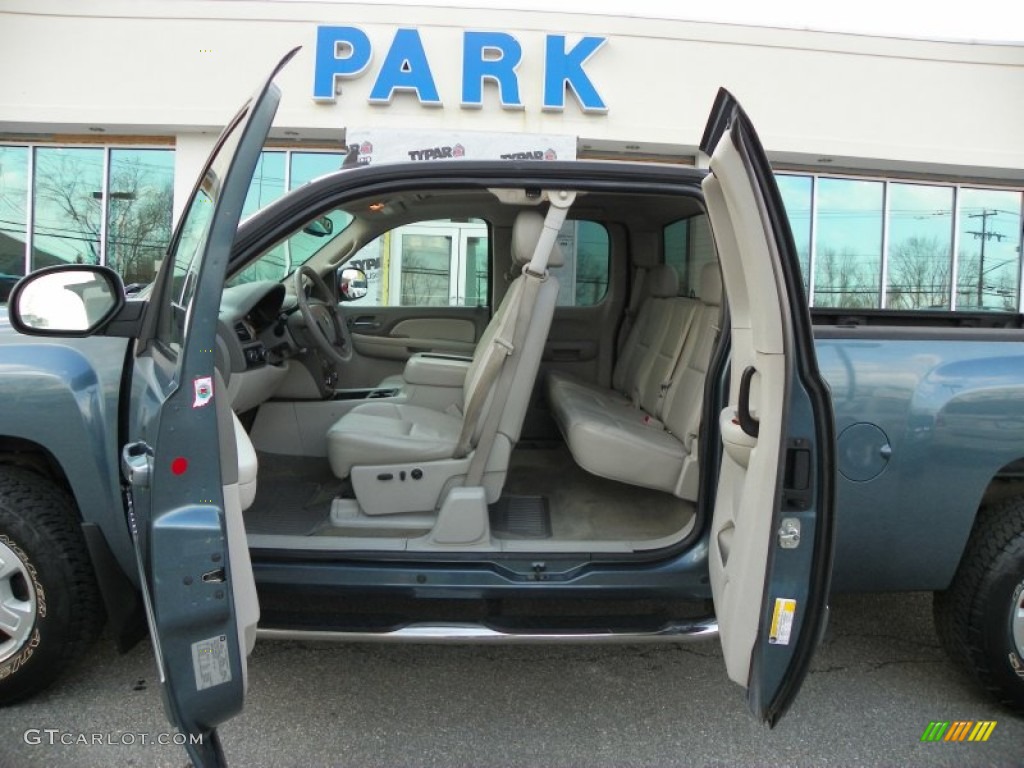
(47, 580)
(980, 618)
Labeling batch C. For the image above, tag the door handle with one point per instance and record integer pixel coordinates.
(137, 464)
(364, 324)
(748, 423)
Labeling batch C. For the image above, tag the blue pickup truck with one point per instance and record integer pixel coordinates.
(400, 404)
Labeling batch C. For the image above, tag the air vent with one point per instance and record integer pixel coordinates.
(243, 333)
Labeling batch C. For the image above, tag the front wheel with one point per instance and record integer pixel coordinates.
(980, 618)
(50, 608)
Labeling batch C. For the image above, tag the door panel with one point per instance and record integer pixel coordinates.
(383, 338)
(441, 328)
(771, 529)
(429, 293)
(181, 459)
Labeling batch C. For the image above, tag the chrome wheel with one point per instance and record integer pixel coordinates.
(17, 602)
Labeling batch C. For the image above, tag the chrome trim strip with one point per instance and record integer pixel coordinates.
(456, 632)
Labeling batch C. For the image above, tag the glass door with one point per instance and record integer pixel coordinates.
(439, 264)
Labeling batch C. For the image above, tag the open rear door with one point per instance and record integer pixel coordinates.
(180, 460)
(772, 525)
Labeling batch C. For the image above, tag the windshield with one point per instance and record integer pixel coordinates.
(295, 250)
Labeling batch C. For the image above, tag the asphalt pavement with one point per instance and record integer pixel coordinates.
(876, 683)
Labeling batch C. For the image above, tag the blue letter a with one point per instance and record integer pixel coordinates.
(405, 68)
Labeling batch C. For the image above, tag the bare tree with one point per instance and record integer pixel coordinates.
(919, 274)
(138, 214)
(842, 280)
(138, 221)
(66, 184)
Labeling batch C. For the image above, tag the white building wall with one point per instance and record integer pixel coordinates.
(176, 68)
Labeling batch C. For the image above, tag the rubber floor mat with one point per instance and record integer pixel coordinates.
(293, 496)
(521, 517)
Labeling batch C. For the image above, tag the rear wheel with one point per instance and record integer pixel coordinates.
(50, 609)
(980, 618)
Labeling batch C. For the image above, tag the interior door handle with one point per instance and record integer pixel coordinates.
(748, 423)
(363, 324)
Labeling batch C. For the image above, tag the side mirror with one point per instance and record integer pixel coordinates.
(351, 283)
(67, 300)
(321, 226)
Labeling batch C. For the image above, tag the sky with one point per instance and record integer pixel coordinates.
(980, 20)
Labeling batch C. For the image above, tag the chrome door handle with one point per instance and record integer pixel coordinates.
(137, 464)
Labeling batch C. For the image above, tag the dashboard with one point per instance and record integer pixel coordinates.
(254, 342)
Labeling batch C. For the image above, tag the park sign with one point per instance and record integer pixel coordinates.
(347, 53)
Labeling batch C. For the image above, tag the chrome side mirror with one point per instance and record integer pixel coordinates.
(351, 283)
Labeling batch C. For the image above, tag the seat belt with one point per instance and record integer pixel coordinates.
(534, 274)
(666, 383)
(639, 278)
(502, 346)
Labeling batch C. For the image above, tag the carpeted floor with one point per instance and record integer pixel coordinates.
(294, 497)
(586, 507)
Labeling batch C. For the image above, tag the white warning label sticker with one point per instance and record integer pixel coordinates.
(211, 662)
(782, 621)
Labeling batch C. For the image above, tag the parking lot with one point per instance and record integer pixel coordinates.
(876, 684)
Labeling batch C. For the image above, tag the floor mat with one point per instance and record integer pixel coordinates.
(521, 517)
(293, 495)
(586, 507)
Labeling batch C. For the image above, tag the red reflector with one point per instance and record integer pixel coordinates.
(179, 465)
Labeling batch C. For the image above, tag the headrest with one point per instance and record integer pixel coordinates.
(710, 291)
(662, 281)
(525, 234)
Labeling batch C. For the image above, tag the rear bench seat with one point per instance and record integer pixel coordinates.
(643, 431)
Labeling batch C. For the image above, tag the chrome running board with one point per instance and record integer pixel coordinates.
(455, 632)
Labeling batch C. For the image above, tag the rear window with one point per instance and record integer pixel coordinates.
(583, 279)
(687, 246)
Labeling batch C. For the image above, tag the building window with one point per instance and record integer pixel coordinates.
(85, 205)
(283, 169)
(140, 196)
(850, 233)
(989, 234)
(848, 253)
(67, 210)
(919, 263)
(797, 193)
(13, 214)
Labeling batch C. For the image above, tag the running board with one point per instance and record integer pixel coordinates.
(455, 632)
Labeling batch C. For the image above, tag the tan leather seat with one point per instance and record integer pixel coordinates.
(402, 437)
(650, 438)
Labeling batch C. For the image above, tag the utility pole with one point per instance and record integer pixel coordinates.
(984, 235)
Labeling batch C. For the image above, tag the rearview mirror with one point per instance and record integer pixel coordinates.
(67, 300)
(319, 227)
(351, 283)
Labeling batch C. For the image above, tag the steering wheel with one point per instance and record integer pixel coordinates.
(322, 317)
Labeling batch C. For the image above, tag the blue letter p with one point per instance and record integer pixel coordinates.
(340, 52)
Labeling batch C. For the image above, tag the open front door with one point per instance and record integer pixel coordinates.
(180, 460)
(772, 526)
